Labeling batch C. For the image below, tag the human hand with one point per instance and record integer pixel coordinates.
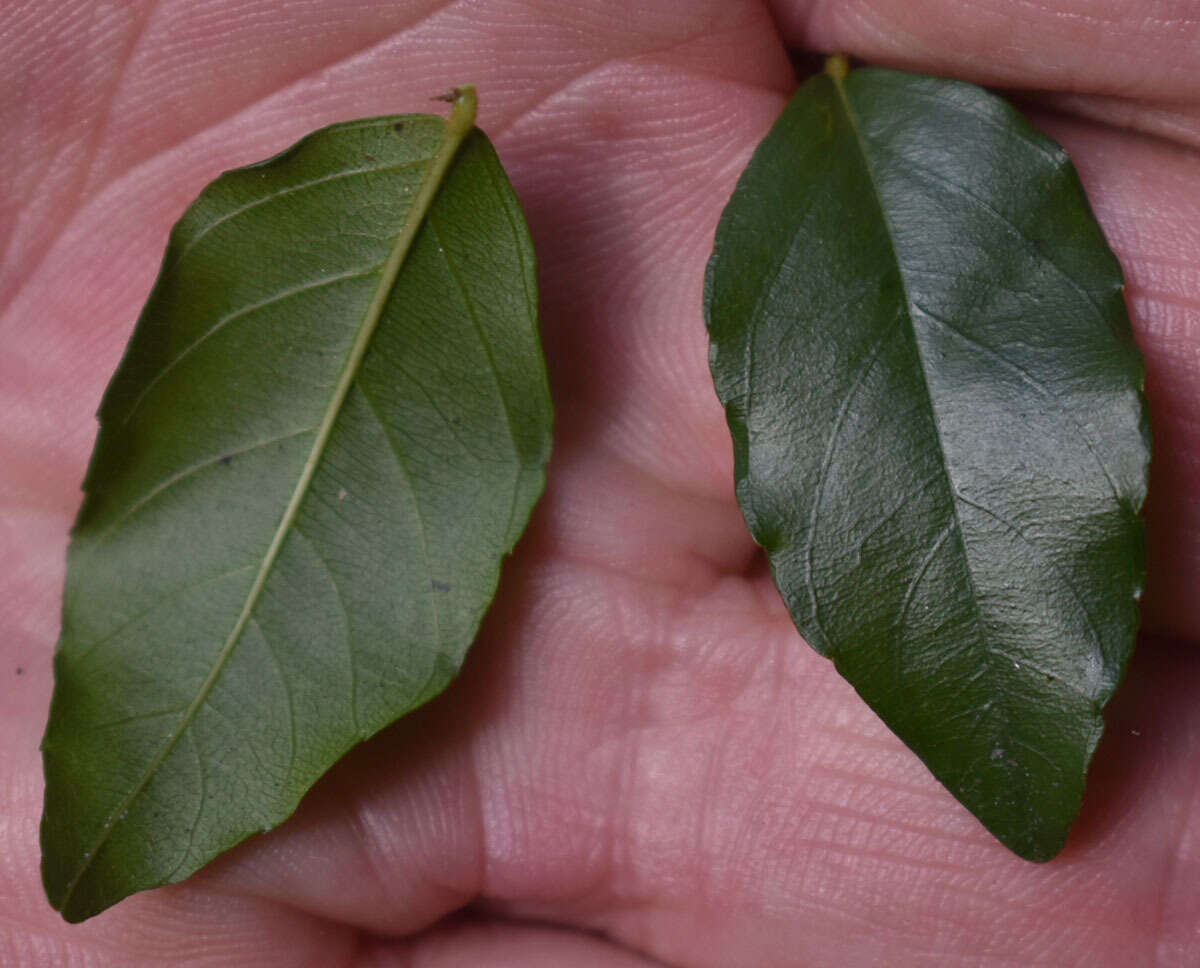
(642, 760)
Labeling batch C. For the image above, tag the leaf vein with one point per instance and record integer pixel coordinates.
(247, 310)
(1056, 157)
(1029, 380)
(138, 718)
(997, 215)
(823, 474)
(493, 369)
(1097, 640)
(910, 593)
(225, 217)
(430, 594)
(899, 506)
(109, 636)
(287, 692)
(337, 591)
(187, 472)
(202, 773)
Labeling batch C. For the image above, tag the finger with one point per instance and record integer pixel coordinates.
(1172, 121)
(833, 848)
(467, 944)
(698, 796)
(184, 928)
(1143, 50)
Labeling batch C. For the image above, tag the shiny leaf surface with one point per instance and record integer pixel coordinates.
(920, 339)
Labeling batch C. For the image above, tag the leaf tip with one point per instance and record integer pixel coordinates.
(1037, 848)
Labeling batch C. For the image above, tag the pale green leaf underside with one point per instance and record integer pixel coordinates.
(919, 337)
(329, 427)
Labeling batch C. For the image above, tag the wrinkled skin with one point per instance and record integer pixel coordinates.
(642, 762)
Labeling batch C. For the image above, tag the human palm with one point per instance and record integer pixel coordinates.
(641, 759)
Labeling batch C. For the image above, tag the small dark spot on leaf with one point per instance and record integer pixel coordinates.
(20, 671)
(226, 461)
(398, 126)
(439, 586)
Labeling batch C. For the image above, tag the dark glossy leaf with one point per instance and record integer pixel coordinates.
(920, 339)
(329, 427)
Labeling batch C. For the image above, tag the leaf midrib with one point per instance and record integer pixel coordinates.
(852, 119)
(460, 123)
(912, 308)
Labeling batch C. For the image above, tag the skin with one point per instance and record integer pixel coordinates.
(642, 762)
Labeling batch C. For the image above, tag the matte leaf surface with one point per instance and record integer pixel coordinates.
(329, 427)
(919, 336)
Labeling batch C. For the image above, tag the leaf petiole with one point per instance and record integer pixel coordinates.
(837, 66)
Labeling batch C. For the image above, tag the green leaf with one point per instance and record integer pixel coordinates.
(919, 336)
(330, 425)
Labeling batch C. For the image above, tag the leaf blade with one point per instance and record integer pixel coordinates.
(299, 428)
(911, 250)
